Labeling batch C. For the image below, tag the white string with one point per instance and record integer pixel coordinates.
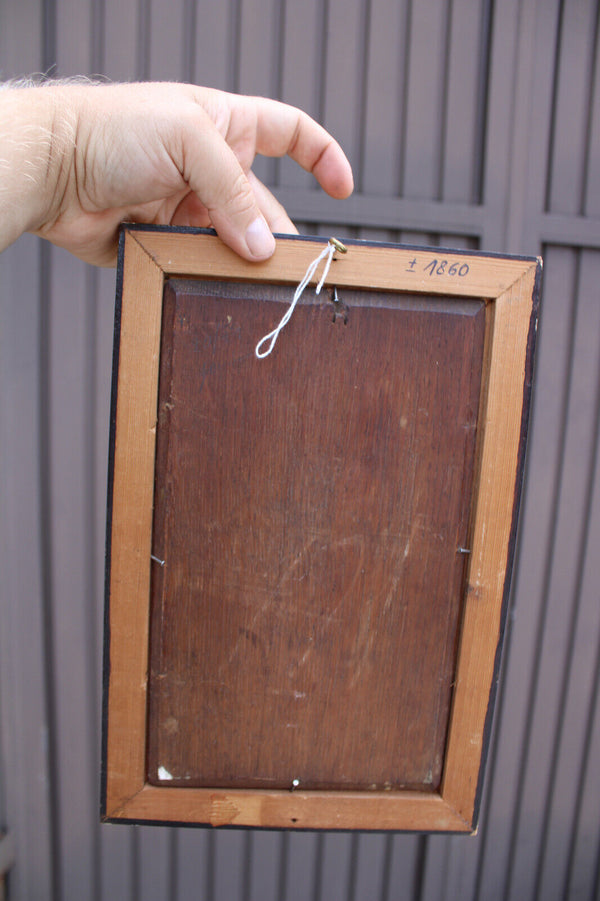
(328, 252)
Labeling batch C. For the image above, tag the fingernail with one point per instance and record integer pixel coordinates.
(259, 240)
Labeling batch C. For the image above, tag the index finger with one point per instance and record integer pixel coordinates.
(285, 130)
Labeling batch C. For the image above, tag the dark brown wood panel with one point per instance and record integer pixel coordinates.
(309, 510)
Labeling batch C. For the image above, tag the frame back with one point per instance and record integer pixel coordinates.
(310, 554)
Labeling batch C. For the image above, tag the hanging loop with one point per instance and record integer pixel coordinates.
(326, 254)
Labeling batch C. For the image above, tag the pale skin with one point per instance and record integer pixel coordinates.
(77, 160)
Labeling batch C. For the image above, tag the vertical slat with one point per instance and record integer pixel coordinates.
(259, 62)
(583, 877)
(229, 864)
(344, 28)
(259, 52)
(539, 25)
(369, 868)
(461, 874)
(559, 587)
(70, 386)
(154, 864)
(167, 31)
(553, 361)
(265, 850)
(73, 38)
(301, 858)
(212, 58)
(577, 691)
(591, 201)
(385, 93)
(69, 434)
(192, 864)
(451, 870)
(500, 100)
(120, 24)
(462, 138)
(26, 808)
(302, 63)
(334, 883)
(574, 70)
(403, 867)
(436, 851)
(20, 39)
(428, 40)
(117, 875)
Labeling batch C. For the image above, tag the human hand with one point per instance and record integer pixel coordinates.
(97, 155)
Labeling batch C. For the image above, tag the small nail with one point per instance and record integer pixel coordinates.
(259, 240)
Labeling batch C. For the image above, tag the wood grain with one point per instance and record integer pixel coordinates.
(383, 267)
(410, 810)
(132, 523)
(494, 526)
(309, 509)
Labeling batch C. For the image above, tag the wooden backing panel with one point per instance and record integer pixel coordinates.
(493, 524)
(132, 523)
(281, 810)
(304, 623)
(377, 267)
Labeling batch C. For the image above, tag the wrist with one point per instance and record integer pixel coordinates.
(37, 136)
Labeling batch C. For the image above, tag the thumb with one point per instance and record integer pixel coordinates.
(214, 173)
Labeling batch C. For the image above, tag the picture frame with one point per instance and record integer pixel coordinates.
(454, 332)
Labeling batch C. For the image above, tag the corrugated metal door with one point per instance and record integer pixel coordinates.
(469, 123)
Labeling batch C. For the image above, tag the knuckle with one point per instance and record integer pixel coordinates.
(239, 196)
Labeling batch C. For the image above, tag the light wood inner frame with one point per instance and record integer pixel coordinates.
(511, 286)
